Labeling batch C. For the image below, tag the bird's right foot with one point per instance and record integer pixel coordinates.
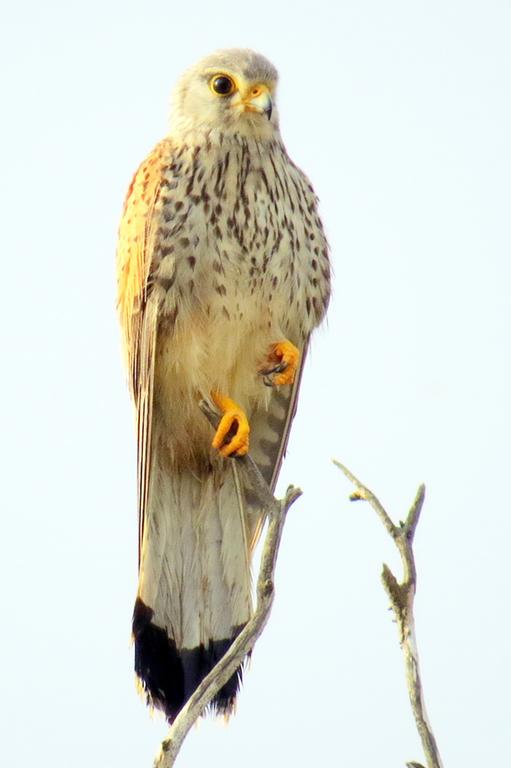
(282, 364)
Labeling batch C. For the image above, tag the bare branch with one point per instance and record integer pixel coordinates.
(276, 511)
(362, 493)
(401, 596)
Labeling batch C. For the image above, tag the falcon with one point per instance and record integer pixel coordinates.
(223, 273)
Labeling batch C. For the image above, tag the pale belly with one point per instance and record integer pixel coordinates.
(207, 351)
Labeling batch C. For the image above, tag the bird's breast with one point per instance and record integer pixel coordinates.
(246, 238)
(239, 265)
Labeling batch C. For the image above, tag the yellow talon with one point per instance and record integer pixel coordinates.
(231, 437)
(284, 359)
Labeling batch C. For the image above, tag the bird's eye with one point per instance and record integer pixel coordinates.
(222, 85)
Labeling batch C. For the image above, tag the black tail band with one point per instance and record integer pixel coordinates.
(169, 674)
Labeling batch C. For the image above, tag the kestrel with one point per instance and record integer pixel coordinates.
(223, 273)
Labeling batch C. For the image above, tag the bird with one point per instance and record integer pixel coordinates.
(223, 273)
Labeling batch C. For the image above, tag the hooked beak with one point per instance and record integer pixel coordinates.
(258, 100)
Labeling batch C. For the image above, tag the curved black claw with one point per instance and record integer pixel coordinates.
(269, 373)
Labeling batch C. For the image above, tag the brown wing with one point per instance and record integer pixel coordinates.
(138, 309)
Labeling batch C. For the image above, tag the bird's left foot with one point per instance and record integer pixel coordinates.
(231, 438)
(282, 364)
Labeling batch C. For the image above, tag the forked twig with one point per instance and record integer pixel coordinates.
(401, 595)
(276, 511)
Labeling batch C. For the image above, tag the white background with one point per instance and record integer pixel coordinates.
(400, 114)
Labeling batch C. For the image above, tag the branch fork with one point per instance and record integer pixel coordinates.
(401, 595)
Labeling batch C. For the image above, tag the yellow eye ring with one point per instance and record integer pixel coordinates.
(222, 85)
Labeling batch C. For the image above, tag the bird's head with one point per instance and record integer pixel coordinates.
(230, 92)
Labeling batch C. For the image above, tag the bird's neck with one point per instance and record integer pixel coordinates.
(244, 133)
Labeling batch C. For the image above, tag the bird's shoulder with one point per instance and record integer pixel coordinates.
(145, 188)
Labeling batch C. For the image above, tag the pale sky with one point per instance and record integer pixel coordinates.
(400, 114)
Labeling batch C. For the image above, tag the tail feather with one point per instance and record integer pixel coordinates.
(194, 593)
(170, 675)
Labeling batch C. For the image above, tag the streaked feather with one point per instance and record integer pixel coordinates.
(270, 431)
(138, 309)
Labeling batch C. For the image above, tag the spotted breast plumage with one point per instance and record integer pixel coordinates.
(223, 273)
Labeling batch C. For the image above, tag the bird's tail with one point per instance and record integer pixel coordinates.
(194, 594)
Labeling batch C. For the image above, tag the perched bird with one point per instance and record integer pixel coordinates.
(223, 273)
